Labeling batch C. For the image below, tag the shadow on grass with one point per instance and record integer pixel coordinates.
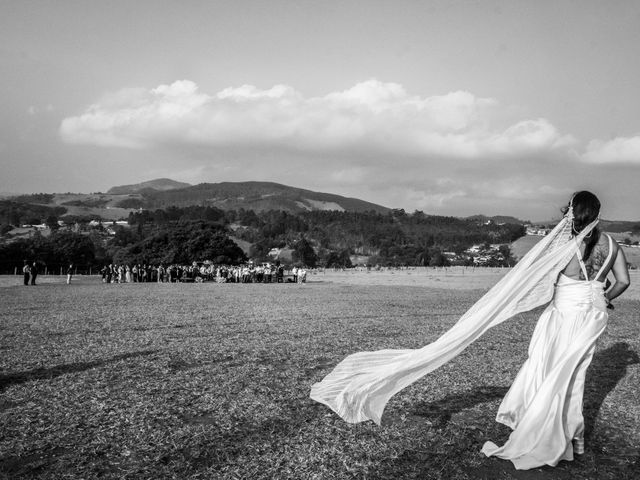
(215, 449)
(440, 412)
(53, 372)
(30, 465)
(445, 443)
(607, 368)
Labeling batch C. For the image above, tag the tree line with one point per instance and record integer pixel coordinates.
(180, 235)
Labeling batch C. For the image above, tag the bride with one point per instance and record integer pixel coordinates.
(543, 407)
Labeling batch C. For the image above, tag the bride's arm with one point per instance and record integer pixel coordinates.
(621, 274)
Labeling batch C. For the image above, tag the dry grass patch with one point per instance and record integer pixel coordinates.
(212, 381)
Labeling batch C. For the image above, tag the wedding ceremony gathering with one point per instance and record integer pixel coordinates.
(291, 240)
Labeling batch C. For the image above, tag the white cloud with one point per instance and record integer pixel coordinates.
(441, 154)
(618, 150)
(530, 135)
(249, 92)
(372, 117)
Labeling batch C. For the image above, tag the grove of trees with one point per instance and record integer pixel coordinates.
(196, 233)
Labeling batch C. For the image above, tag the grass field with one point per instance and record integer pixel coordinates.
(632, 254)
(157, 381)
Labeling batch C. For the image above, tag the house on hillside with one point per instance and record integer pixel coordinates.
(537, 230)
(489, 255)
(281, 254)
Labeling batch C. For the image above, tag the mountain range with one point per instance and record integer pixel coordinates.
(118, 201)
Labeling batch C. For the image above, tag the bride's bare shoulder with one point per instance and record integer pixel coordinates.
(605, 242)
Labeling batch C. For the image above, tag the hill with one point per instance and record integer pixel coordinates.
(611, 226)
(256, 196)
(620, 226)
(163, 193)
(523, 244)
(159, 184)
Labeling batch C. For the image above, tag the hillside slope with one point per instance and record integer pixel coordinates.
(522, 245)
(159, 184)
(257, 196)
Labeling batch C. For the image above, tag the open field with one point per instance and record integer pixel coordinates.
(632, 254)
(212, 380)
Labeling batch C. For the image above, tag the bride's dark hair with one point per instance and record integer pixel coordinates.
(586, 208)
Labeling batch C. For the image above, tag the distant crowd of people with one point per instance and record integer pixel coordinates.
(262, 273)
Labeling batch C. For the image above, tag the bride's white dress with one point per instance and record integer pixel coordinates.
(544, 404)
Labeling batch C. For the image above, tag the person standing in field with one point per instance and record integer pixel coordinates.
(33, 271)
(69, 273)
(26, 272)
(547, 392)
(543, 407)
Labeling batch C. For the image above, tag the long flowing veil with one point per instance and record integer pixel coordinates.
(360, 386)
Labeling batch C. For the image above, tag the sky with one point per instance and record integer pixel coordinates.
(448, 107)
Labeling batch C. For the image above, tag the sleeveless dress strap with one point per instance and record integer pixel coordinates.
(606, 262)
(581, 262)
